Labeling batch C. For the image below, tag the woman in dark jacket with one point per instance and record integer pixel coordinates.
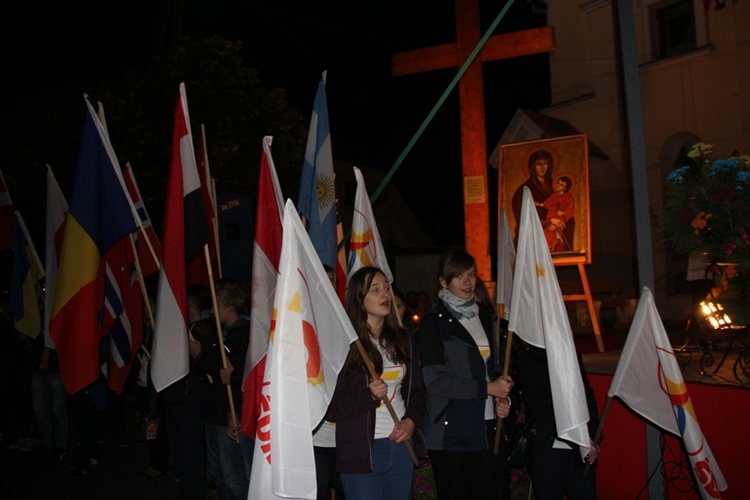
(370, 452)
(456, 347)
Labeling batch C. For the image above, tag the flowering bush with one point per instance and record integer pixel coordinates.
(423, 486)
(708, 210)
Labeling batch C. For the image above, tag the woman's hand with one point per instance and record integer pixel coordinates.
(194, 346)
(402, 431)
(226, 373)
(499, 387)
(233, 429)
(378, 389)
(502, 407)
(593, 454)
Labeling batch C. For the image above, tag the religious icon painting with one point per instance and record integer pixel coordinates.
(556, 171)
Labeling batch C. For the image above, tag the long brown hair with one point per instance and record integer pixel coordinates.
(392, 339)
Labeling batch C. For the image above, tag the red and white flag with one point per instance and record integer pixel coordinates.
(184, 202)
(649, 380)
(539, 317)
(266, 253)
(57, 210)
(149, 264)
(7, 217)
(197, 270)
(309, 344)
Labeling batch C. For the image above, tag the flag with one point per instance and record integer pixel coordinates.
(122, 314)
(23, 301)
(317, 193)
(365, 248)
(57, 211)
(100, 215)
(649, 380)
(539, 317)
(309, 344)
(149, 265)
(266, 253)
(506, 261)
(197, 270)
(184, 234)
(121, 318)
(340, 254)
(7, 220)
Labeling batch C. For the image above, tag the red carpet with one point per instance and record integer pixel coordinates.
(722, 413)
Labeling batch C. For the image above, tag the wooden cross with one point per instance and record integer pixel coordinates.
(471, 99)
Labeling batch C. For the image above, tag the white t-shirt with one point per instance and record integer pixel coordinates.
(325, 435)
(393, 376)
(475, 329)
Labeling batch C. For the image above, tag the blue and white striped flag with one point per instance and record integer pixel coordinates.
(317, 195)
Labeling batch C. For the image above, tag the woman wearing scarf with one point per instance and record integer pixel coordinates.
(456, 351)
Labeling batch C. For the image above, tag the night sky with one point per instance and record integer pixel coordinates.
(49, 46)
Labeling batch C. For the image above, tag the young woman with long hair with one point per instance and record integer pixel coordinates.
(370, 451)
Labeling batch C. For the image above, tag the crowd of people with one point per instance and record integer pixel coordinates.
(423, 385)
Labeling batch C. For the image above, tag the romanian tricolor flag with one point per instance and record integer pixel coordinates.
(100, 215)
(23, 301)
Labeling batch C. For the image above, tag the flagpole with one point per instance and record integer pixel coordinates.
(221, 339)
(148, 241)
(506, 370)
(598, 435)
(385, 400)
(144, 293)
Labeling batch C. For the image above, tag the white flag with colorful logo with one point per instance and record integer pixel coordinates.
(310, 340)
(539, 317)
(648, 379)
(365, 247)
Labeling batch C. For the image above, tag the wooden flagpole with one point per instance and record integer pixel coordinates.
(144, 293)
(506, 371)
(385, 400)
(218, 333)
(598, 435)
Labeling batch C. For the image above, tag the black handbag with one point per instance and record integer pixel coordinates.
(519, 443)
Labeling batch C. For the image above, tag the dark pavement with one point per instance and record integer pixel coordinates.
(27, 475)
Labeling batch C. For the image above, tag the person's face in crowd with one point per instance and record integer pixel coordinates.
(224, 312)
(463, 285)
(378, 299)
(332, 277)
(400, 307)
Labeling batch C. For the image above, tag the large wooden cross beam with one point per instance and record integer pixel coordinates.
(471, 99)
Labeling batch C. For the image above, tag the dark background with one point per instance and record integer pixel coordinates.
(50, 47)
